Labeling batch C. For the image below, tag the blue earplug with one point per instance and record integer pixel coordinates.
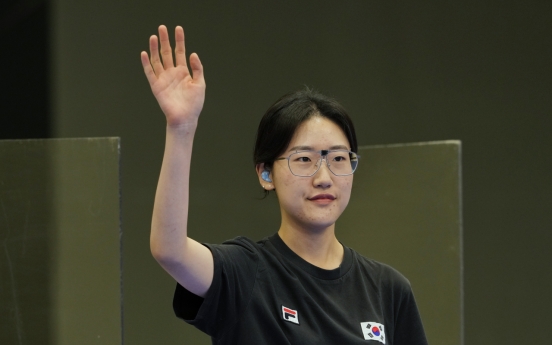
(265, 176)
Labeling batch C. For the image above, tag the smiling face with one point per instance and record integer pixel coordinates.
(311, 203)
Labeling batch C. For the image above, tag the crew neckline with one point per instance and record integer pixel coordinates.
(311, 269)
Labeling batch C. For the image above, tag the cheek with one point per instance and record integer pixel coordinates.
(346, 189)
(289, 188)
(284, 180)
(285, 186)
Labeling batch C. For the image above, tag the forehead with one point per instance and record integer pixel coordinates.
(318, 133)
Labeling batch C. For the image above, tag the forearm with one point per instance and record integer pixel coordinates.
(170, 212)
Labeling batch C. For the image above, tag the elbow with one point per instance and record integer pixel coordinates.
(158, 252)
(165, 256)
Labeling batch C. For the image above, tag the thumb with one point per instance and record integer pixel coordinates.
(197, 68)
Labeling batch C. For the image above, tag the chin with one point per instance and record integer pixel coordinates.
(319, 225)
(314, 220)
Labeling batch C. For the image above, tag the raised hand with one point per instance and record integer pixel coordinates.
(179, 93)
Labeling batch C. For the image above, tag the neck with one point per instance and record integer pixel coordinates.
(319, 248)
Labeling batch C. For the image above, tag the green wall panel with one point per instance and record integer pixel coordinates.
(406, 211)
(60, 272)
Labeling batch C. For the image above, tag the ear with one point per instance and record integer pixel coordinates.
(267, 185)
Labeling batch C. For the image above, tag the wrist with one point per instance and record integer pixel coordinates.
(183, 127)
(183, 132)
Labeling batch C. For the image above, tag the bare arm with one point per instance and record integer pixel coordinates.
(180, 96)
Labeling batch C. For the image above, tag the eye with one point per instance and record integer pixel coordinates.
(303, 159)
(340, 158)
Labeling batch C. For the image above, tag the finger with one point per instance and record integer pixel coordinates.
(180, 48)
(150, 75)
(166, 52)
(154, 55)
(197, 69)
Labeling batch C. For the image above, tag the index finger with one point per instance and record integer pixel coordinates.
(148, 70)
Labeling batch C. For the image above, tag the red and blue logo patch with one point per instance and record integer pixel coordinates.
(290, 315)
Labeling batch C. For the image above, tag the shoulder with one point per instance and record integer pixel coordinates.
(240, 243)
(245, 242)
(237, 250)
(393, 288)
(383, 275)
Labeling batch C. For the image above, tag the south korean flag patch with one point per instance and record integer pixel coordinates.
(373, 331)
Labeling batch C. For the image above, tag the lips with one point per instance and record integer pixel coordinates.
(322, 197)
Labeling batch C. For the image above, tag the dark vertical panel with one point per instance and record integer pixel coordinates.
(25, 96)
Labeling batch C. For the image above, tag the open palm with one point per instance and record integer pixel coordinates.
(179, 93)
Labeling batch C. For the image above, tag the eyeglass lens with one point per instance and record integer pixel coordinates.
(306, 163)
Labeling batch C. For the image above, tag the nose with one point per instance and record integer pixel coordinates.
(323, 177)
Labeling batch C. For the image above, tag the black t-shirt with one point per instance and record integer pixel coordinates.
(264, 293)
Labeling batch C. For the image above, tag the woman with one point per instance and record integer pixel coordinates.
(301, 285)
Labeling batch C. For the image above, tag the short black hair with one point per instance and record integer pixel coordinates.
(281, 120)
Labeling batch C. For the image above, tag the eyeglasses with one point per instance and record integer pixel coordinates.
(307, 163)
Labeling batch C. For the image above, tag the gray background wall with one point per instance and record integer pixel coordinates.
(478, 71)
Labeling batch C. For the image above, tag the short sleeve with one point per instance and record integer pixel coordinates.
(235, 269)
(408, 323)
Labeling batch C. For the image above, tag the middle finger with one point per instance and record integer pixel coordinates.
(166, 52)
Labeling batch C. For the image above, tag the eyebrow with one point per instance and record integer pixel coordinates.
(309, 148)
